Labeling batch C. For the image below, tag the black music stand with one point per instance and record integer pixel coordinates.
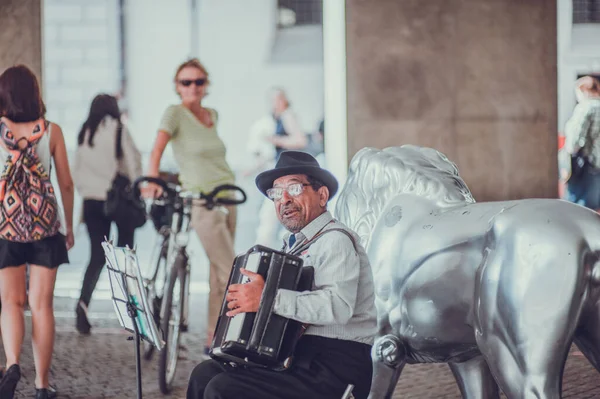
(130, 300)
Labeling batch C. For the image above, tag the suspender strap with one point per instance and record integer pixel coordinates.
(307, 244)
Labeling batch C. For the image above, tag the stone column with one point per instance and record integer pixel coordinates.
(475, 79)
(21, 34)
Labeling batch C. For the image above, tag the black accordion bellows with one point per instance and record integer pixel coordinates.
(262, 339)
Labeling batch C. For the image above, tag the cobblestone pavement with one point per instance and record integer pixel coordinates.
(102, 365)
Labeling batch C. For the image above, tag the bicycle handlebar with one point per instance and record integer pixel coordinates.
(211, 198)
(227, 200)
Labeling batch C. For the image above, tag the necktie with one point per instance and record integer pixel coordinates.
(292, 240)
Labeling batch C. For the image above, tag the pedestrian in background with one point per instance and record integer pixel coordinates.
(582, 142)
(34, 229)
(105, 149)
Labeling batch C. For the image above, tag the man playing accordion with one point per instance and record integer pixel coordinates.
(340, 314)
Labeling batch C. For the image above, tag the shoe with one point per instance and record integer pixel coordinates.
(9, 382)
(82, 323)
(45, 393)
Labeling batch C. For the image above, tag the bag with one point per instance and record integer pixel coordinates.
(161, 215)
(121, 205)
(28, 206)
(579, 164)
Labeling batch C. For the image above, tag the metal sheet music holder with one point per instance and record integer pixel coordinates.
(130, 300)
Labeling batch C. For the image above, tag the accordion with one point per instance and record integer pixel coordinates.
(262, 339)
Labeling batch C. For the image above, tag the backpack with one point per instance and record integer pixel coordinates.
(121, 205)
(28, 205)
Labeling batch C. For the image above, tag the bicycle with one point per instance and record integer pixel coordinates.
(170, 302)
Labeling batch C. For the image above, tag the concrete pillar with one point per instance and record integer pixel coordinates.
(334, 88)
(21, 34)
(475, 79)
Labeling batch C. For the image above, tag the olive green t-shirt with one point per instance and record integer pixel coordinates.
(198, 150)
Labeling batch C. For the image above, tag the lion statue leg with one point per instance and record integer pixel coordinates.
(587, 335)
(475, 379)
(389, 358)
(529, 293)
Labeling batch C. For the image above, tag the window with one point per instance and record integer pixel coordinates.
(299, 12)
(586, 11)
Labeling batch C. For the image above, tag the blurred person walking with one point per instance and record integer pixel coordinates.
(287, 135)
(273, 133)
(582, 143)
(34, 230)
(105, 152)
(191, 128)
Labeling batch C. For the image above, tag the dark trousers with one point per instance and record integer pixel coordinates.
(585, 190)
(322, 369)
(98, 227)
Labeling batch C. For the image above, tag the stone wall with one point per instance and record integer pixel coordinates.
(81, 58)
(474, 79)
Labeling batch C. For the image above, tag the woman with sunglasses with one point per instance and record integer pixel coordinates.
(200, 154)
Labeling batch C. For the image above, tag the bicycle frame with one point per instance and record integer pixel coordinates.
(178, 239)
(177, 236)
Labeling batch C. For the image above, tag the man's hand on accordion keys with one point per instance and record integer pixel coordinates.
(245, 298)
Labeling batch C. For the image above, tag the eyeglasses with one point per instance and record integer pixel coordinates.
(197, 82)
(294, 190)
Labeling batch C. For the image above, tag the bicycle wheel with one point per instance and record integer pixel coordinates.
(155, 295)
(171, 325)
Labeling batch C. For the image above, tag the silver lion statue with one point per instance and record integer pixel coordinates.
(498, 290)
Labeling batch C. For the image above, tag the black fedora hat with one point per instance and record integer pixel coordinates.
(296, 163)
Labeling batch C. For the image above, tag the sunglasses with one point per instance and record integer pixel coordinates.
(197, 82)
